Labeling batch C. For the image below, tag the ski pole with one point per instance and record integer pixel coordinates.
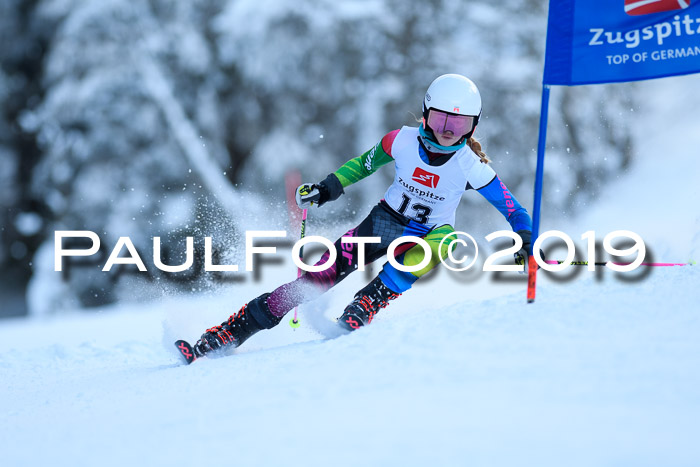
(295, 321)
(603, 263)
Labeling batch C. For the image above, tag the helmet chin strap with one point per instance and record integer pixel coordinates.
(431, 140)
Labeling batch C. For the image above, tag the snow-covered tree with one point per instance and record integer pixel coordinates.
(21, 225)
(119, 76)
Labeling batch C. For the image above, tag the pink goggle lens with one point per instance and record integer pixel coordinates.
(442, 122)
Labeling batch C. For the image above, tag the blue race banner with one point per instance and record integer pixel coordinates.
(606, 41)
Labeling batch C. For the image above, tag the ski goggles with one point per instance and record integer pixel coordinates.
(442, 122)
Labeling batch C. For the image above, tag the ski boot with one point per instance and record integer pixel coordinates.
(251, 318)
(368, 301)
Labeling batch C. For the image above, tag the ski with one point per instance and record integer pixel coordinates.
(186, 351)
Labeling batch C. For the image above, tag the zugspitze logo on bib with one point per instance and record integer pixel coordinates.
(645, 7)
(425, 178)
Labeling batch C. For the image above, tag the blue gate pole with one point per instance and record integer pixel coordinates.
(539, 175)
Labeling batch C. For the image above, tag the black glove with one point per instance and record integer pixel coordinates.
(523, 255)
(308, 194)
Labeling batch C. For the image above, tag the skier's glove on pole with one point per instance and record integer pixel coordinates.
(522, 256)
(308, 194)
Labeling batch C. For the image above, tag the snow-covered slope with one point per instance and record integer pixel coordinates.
(599, 371)
(593, 374)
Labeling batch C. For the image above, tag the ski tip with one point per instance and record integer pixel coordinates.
(186, 351)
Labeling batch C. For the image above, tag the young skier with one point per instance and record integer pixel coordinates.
(435, 164)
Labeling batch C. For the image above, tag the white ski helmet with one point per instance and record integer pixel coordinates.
(453, 94)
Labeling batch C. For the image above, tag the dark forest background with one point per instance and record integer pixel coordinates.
(166, 118)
